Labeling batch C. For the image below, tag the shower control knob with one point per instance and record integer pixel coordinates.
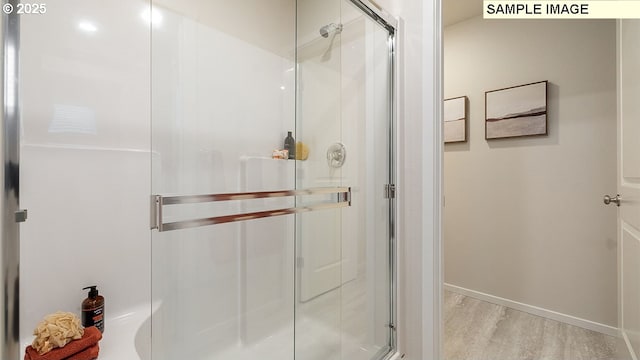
(336, 155)
(608, 200)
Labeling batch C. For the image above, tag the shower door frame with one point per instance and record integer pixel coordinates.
(389, 23)
(12, 215)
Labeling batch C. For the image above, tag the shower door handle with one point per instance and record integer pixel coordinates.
(158, 202)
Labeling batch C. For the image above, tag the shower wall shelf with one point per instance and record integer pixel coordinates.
(158, 202)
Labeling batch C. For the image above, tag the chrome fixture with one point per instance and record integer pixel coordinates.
(324, 32)
(10, 200)
(336, 155)
(330, 28)
(616, 200)
(159, 201)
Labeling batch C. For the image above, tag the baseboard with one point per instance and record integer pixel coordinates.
(534, 310)
(629, 347)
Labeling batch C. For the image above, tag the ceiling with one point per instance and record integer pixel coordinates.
(458, 10)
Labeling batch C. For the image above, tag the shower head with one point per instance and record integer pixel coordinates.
(327, 29)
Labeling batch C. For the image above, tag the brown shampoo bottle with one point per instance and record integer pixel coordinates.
(93, 309)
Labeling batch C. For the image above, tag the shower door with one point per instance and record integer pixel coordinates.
(344, 293)
(223, 91)
(253, 256)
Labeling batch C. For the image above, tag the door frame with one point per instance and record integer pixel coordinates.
(12, 215)
(434, 202)
(420, 192)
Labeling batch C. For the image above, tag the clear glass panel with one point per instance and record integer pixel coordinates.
(319, 234)
(343, 308)
(224, 83)
(223, 90)
(366, 126)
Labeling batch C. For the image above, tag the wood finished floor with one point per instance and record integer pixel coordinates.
(478, 330)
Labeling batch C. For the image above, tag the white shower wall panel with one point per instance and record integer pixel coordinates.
(85, 157)
(215, 99)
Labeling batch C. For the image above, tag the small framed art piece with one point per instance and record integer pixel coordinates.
(455, 120)
(516, 111)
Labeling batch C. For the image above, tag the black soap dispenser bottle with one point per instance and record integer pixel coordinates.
(93, 309)
(290, 145)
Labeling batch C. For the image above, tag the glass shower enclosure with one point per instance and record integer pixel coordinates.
(181, 108)
(272, 258)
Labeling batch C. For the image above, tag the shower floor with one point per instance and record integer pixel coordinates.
(331, 326)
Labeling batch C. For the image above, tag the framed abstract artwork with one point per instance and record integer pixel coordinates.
(455, 120)
(516, 111)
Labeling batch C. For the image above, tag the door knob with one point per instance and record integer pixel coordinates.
(608, 200)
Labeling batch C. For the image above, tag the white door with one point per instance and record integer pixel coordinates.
(629, 180)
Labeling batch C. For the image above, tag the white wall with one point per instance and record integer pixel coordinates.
(85, 158)
(524, 218)
(251, 21)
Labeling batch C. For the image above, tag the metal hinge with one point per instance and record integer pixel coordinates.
(21, 215)
(345, 197)
(390, 191)
(156, 212)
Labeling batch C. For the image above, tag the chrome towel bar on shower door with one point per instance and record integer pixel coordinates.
(159, 201)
